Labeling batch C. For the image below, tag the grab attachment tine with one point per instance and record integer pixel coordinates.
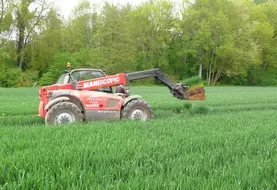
(178, 91)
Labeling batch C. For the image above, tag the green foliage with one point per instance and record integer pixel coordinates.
(57, 68)
(192, 81)
(217, 40)
(204, 110)
(232, 146)
(27, 78)
(83, 59)
(269, 77)
(5, 17)
(14, 77)
(9, 77)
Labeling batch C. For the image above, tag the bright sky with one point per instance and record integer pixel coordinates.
(67, 5)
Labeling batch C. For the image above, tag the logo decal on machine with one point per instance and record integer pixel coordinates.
(101, 82)
(94, 99)
(94, 102)
(95, 105)
(108, 112)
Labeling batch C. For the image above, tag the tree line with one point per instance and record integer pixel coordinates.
(222, 41)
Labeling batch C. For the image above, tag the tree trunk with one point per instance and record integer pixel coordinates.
(200, 70)
(210, 73)
(201, 62)
(20, 46)
(218, 74)
(24, 35)
(210, 67)
(21, 61)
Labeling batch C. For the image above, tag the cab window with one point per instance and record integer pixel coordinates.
(61, 79)
(85, 75)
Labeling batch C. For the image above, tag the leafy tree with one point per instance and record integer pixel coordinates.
(26, 21)
(5, 21)
(5, 24)
(41, 51)
(219, 35)
(152, 27)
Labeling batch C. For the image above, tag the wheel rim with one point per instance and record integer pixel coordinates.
(138, 114)
(65, 118)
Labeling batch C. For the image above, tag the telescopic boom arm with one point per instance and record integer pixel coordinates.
(178, 90)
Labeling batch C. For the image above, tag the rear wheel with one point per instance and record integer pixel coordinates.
(63, 113)
(137, 110)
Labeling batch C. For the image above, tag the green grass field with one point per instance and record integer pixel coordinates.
(228, 141)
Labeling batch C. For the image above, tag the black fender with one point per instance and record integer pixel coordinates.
(129, 98)
(56, 100)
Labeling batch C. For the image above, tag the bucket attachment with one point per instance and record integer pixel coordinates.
(183, 92)
(197, 93)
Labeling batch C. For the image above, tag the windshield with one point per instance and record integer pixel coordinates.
(85, 75)
(80, 75)
(61, 79)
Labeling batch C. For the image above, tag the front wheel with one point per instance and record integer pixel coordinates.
(137, 110)
(63, 113)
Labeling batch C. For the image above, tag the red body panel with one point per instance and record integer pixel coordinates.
(93, 100)
(90, 99)
(41, 111)
(43, 93)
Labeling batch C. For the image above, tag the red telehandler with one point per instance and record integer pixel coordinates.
(87, 94)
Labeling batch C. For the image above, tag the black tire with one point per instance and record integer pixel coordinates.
(137, 110)
(63, 113)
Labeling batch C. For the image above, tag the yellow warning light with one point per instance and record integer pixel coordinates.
(68, 65)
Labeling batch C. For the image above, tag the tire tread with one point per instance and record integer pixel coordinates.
(61, 106)
(133, 103)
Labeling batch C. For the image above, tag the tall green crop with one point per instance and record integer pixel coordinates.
(227, 141)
